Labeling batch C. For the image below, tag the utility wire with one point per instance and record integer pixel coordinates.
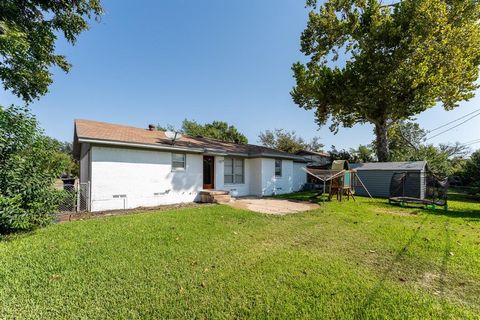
(471, 143)
(453, 121)
(442, 132)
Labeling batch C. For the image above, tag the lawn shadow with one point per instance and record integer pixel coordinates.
(462, 196)
(381, 283)
(467, 215)
(452, 212)
(443, 269)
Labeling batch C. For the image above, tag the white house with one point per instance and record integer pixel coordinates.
(126, 167)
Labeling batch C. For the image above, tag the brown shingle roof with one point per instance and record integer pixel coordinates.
(95, 130)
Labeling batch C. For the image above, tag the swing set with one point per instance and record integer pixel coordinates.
(340, 180)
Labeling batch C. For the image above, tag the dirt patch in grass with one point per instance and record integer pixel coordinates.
(66, 217)
(398, 212)
(273, 206)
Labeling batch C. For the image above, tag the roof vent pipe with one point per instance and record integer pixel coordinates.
(151, 127)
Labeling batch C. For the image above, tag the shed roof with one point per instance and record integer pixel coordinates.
(90, 131)
(390, 166)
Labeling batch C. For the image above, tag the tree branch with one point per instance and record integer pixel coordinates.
(406, 140)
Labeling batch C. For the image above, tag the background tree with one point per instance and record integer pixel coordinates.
(407, 143)
(28, 32)
(29, 164)
(399, 60)
(363, 154)
(342, 154)
(404, 138)
(471, 173)
(288, 141)
(66, 149)
(219, 130)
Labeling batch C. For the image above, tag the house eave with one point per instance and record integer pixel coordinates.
(278, 156)
(139, 145)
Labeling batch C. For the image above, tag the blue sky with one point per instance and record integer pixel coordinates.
(162, 61)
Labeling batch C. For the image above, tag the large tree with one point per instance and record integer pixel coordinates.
(397, 60)
(28, 32)
(219, 130)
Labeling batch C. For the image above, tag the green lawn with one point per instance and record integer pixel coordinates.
(354, 260)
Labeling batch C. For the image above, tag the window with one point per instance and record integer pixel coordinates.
(233, 171)
(179, 161)
(278, 168)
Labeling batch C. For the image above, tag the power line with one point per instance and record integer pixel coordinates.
(476, 115)
(471, 143)
(453, 121)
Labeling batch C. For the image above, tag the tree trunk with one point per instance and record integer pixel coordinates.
(383, 153)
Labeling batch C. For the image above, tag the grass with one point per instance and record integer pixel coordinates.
(349, 260)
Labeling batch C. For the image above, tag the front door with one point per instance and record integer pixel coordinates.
(208, 172)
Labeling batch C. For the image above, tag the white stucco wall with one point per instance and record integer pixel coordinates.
(219, 173)
(260, 178)
(299, 176)
(236, 190)
(145, 177)
(84, 162)
(276, 185)
(256, 188)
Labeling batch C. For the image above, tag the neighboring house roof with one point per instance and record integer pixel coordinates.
(313, 153)
(390, 166)
(88, 131)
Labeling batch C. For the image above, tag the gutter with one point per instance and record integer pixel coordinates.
(278, 156)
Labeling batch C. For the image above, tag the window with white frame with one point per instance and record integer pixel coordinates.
(278, 168)
(234, 171)
(179, 161)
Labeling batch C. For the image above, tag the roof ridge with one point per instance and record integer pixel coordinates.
(115, 124)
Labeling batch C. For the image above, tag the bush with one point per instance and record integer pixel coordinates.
(29, 164)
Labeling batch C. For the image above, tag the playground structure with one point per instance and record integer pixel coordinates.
(340, 180)
(432, 194)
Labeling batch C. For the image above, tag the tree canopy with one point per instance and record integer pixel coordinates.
(288, 141)
(362, 154)
(396, 61)
(219, 130)
(28, 33)
(471, 172)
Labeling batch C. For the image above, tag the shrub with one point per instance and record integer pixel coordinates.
(29, 164)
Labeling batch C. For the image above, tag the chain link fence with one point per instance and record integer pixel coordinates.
(83, 197)
(77, 198)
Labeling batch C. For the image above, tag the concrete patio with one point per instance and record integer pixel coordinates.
(272, 206)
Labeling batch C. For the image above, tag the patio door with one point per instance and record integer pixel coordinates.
(208, 172)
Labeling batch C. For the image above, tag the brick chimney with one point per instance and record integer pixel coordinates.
(152, 127)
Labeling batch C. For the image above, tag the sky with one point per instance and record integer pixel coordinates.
(160, 62)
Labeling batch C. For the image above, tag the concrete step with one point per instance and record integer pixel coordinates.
(215, 192)
(215, 196)
(222, 198)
